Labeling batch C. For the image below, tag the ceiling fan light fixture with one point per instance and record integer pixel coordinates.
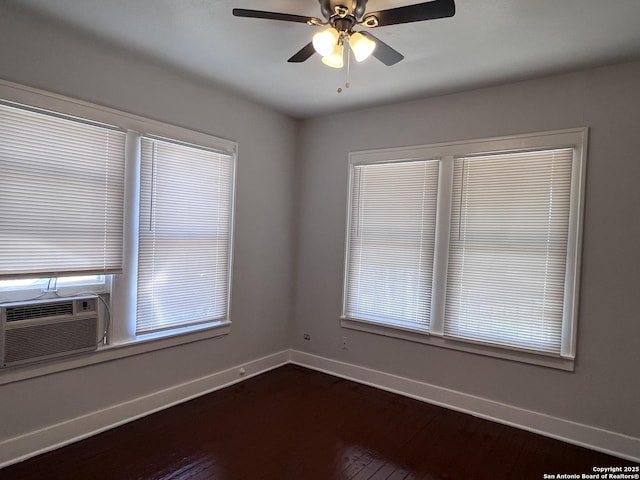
(336, 59)
(325, 42)
(361, 46)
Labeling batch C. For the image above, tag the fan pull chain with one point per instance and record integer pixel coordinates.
(347, 84)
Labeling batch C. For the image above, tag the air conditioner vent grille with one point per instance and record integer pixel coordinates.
(43, 310)
(50, 340)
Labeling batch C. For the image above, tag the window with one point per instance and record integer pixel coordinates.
(508, 248)
(185, 236)
(473, 245)
(96, 201)
(61, 195)
(392, 235)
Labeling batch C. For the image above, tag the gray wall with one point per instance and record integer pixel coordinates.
(47, 56)
(603, 391)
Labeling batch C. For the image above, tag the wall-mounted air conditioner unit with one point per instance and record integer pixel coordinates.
(42, 329)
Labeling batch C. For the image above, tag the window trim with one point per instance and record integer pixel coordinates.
(21, 94)
(576, 138)
(120, 347)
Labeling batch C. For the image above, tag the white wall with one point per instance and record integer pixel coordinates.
(603, 391)
(47, 56)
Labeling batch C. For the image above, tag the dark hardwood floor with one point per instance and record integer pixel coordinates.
(293, 423)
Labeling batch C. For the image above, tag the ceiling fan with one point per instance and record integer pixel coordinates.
(343, 17)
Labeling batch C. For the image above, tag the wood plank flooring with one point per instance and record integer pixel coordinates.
(296, 424)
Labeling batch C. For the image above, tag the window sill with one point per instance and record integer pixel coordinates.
(420, 335)
(106, 353)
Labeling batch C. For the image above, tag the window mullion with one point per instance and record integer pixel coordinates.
(125, 285)
(441, 250)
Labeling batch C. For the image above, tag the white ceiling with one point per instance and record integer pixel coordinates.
(486, 42)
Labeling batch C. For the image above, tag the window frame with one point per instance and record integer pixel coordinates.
(576, 138)
(123, 342)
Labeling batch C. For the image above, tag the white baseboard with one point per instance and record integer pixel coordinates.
(594, 438)
(55, 436)
(25, 446)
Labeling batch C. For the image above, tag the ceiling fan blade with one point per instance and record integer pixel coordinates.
(415, 13)
(287, 17)
(384, 52)
(303, 54)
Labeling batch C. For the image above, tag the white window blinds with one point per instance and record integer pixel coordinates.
(186, 206)
(508, 249)
(390, 246)
(61, 195)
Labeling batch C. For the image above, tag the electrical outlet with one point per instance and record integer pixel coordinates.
(306, 336)
(345, 343)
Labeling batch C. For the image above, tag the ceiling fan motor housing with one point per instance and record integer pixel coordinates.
(343, 25)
